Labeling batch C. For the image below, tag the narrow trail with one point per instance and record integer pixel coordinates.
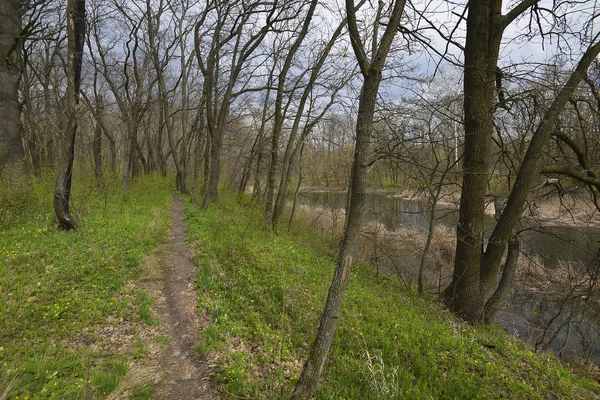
(186, 374)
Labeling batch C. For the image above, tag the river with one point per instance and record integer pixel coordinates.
(569, 325)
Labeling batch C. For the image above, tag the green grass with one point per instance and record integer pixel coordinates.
(58, 288)
(264, 293)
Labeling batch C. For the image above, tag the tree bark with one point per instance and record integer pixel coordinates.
(530, 170)
(11, 146)
(497, 300)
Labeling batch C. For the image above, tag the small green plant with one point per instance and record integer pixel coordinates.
(106, 378)
(165, 340)
(144, 308)
(139, 350)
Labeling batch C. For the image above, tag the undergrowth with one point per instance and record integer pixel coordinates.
(263, 294)
(58, 288)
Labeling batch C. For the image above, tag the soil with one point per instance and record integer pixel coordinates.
(169, 275)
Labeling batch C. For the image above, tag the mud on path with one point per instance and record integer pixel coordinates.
(169, 276)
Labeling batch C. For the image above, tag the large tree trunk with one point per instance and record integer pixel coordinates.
(464, 295)
(11, 146)
(62, 190)
(475, 272)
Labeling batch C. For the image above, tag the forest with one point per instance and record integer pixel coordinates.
(299, 199)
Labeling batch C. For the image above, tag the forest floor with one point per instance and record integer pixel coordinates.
(262, 294)
(118, 309)
(169, 276)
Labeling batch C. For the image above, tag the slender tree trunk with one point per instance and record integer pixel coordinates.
(300, 177)
(127, 150)
(62, 190)
(256, 190)
(497, 300)
(212, 195)
(97, 143)
(529, 171)
(247, 169)
(356, 193)
(33, 136)
(278, 121)
(11, 146)
(372, 73)
(200, 127)
(420, 278)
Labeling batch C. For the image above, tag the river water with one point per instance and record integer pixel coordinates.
(569, 325)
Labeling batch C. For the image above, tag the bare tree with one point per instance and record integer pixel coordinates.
(62, 189)
(232, 19)
(475, 271)
(278, 120)
(293, 145)
(371, 70)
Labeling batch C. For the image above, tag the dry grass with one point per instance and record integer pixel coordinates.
(135, 379)
(570, 209)
(392, 252)
(323, 220)
(561, 279)
(400, 251)
(7, 388)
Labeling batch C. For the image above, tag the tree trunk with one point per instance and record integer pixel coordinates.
(32, 136)
(62, 190)
(97, 143)
(475, 273)
(372, 73)
(497, 300)
(212, 194)
(530, 170)
(127, 150)
(482, 47)
(300, 177)
(11, 146)
(278, 121)
(432, 212)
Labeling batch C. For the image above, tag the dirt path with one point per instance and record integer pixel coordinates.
(169, 276)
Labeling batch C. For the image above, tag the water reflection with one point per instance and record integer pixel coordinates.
(551, 244)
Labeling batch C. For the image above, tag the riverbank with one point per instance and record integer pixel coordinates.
(263, 294)
(544, 306)
(574, 209)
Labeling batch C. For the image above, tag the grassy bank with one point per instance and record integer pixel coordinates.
(64, 294)
(262, 295)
